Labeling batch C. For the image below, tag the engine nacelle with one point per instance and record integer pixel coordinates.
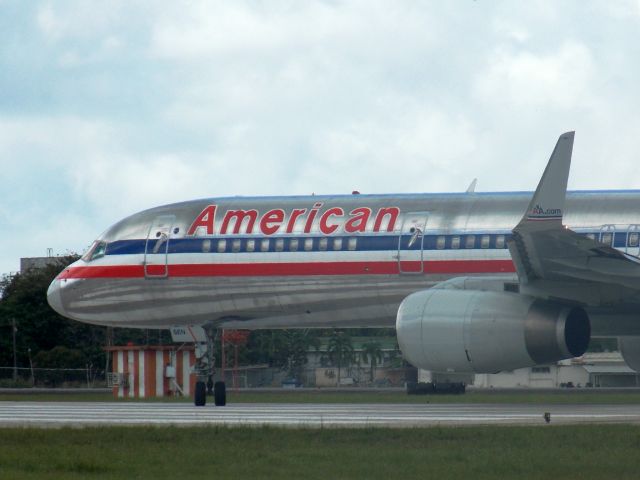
(630, 350)
(485, 332)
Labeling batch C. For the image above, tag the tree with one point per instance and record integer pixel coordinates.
(285, 349)
(56, 359)
(24, 301)
(340, 349)
(297, 344)
(39, 328)
(372, 354)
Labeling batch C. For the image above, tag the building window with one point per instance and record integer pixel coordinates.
(293, 245)
(222, 246)
(455, 242)
(251, 245)
(264, 245)
(540, 370)
(470, 241)
(337, 243)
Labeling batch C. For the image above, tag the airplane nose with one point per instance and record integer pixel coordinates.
(54, 297)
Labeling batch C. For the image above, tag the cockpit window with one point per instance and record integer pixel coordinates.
(97, 250)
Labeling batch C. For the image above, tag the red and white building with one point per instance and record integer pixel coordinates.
(151, 371)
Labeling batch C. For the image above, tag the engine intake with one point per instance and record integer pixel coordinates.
(485, 332)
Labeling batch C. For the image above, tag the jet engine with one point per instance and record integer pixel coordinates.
(446, 330)
(630, 349)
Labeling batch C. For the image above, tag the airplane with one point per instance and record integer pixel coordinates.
(473, 282)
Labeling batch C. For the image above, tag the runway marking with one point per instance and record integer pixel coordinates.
(43, 414)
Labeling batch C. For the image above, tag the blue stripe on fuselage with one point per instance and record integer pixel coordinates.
(366, 243)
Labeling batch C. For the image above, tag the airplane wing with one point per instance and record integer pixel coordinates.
(546, 254)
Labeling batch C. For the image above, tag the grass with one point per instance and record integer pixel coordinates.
(585, 452)
(561, 397)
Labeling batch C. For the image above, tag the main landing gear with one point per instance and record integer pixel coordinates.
(204, 371)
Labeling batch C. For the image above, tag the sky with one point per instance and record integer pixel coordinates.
(109, 108)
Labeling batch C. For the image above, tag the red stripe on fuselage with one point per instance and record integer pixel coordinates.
(436, 267)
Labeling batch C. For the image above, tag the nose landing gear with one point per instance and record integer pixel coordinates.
(204, 367)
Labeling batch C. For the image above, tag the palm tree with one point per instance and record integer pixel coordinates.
(372, 353)
(297, 344)
(340, 350)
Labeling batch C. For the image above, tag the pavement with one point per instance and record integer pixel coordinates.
(84, 414)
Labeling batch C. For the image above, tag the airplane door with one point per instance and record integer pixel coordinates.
(157, 247)
(411, 243)
(607, 235)
(633, 240)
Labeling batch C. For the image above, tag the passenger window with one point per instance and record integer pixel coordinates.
(251, 245)
(279, 244)
(455, 242)
(264, 245)
(470, 241)
(440, 242)
(353, 243)
(337, 244)
(293, 245)
(633, 239)
(484, 241)
(500, 241)
(235, 245)
(591, 236)
(308, 244)
(206, 246)
(606, 238)
(322, 244)
(222, 246)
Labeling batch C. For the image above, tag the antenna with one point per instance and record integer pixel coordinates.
(472, 186)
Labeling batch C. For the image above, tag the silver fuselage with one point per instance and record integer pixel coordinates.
(309, 261)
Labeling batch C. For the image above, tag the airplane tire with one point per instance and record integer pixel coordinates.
(200, 397)
(220, 394)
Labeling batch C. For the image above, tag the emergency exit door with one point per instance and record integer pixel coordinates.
(411, 243)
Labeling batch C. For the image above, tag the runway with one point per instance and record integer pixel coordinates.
(55, 414)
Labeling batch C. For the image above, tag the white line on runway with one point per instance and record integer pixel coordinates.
(308, 415)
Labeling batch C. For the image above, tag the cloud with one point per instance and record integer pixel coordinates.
(75, 19)
(244, 28)
(558, 79)
(114, 107)
(412, 151)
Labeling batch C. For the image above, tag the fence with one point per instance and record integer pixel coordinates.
(353, 376)
(88, 377)
(245, 377)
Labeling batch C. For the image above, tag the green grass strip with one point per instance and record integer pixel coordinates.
(545, 452)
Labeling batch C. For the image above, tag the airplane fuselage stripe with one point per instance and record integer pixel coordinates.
(436, 267)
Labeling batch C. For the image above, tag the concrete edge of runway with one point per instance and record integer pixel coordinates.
(94, 414)
(381, 390)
